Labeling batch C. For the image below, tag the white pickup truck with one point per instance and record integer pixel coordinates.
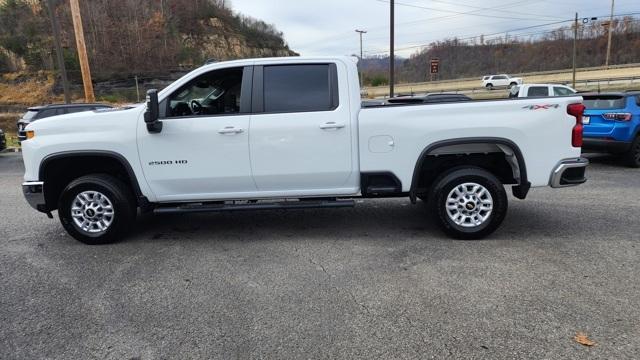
(290, 133)
(540, 90)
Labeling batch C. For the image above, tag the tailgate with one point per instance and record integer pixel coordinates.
(595, 124)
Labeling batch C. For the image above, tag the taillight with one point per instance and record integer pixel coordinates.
(576, 110)
(617, 116)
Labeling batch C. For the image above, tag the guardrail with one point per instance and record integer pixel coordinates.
(522, 75)
(580, 85)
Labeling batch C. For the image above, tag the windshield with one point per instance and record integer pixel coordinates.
(604, 102)
(29, 115)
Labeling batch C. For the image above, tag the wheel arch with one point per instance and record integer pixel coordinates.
(518, 167)
(80, 163)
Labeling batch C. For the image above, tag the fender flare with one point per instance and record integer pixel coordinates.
(520, 191)
(97, 153)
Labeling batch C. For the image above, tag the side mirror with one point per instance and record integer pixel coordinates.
(151, 116)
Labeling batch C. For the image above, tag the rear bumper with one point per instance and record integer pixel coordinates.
(34, 194)
(570, 172)
(605, 145)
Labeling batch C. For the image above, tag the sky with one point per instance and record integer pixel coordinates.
(327, 27)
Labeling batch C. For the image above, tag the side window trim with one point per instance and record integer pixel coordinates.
(258, 89)
(246, 93)
(257, 104)
(333, 86)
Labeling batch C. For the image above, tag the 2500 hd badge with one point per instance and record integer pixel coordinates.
(169, 162)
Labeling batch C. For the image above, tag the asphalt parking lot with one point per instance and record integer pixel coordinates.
(377, 281)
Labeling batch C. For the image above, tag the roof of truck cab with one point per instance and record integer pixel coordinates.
(283, 60)
(545, 84)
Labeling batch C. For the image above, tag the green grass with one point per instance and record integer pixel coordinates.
(12, 140)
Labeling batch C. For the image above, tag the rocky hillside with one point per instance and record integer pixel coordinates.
(143, 38)
(220, 41)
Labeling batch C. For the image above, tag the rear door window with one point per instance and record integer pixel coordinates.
(47, 113)
(299, 88)
(604, 102)
(538, 91)
(562, 91)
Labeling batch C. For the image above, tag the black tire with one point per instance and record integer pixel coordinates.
(118, 195)
(445, 185)
(632, 157)
(512, 85)
(489, 86)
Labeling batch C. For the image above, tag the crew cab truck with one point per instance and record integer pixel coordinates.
(540, 90)
(290, 133)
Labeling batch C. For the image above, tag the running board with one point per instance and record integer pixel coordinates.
(284, 205)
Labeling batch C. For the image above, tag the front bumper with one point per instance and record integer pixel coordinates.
(34, 194)
(605, 145)
(570, 172)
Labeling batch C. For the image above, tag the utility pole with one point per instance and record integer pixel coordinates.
(82, 51)
(60, 57)
(392, 58)
(575, 49)
(137, 90)
(361, 32)
(610, 34)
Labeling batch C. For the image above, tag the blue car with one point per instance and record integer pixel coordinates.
(612, 125)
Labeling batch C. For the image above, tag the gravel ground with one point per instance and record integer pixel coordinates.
(377, 281)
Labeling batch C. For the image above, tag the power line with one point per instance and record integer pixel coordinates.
(421, 21)
(487, 35)
(380, 51)
(472, 13)
(501, 10)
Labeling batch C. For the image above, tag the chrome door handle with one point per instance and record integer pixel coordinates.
(230, 130)
(331, 125)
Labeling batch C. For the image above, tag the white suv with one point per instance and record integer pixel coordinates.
(492, 81)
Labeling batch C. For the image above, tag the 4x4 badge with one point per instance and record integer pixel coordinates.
(542, 107)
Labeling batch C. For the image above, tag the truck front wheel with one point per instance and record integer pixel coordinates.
(96, 209)
(468, 203)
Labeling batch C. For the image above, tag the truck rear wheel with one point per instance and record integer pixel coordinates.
(468, 203)
(96, 209)
(633, 156)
